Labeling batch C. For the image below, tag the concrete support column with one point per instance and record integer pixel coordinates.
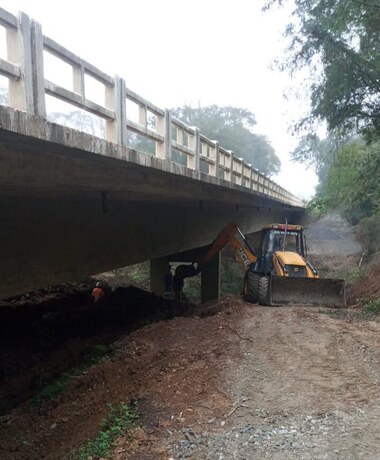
(210, 286)
(157, 275)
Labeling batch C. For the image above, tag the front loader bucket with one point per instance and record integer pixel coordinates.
(308, 291)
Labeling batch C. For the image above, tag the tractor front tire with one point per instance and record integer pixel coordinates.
(265, 291)
(251, 287)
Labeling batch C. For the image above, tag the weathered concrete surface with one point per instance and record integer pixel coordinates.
(73, 205)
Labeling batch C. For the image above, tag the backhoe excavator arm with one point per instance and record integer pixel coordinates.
(231, 234)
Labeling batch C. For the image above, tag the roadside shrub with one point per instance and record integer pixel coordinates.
(371, 306)
(120, 419)
(369, 235)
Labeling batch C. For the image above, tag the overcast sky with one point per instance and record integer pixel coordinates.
(174, 52)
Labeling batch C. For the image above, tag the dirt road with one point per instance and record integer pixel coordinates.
(247, 383)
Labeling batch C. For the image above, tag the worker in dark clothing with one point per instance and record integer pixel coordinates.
(181, 272)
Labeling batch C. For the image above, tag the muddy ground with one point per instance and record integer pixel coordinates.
(226, 380)
(247, 382)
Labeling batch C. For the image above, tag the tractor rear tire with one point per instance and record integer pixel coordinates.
(251, 287)
(265, 291)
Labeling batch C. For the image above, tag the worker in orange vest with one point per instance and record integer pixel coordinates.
(97, 293)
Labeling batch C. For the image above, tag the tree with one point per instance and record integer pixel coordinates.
(350, 182)
(339, 41)
(320, 154)
(232, 127)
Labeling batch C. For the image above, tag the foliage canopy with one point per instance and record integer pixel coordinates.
(339, 41)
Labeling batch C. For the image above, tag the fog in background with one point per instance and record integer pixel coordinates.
(199, 53)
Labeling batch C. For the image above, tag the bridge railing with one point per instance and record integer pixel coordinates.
(24, 67)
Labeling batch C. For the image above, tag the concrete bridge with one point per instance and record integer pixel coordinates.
(73, 204)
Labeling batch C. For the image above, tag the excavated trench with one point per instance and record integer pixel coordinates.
(50, 332)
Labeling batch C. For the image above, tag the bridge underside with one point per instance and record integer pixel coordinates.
(69, 212)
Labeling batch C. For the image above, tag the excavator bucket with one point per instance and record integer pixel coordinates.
(308, 291)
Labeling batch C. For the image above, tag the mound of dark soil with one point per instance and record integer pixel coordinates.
(49, 332)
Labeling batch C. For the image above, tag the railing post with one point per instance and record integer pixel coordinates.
(214, 169)
(195, 145)
(231, 166)
(116, 130)
(37, 47)
(250, 176)
(239, 179)
(164, 127)
(19, 52)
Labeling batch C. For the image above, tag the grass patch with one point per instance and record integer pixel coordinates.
(120, 419)
(371, 307)
(232, 277)
(349, 274)
(370, 310)
(52, 390)
(139, 274)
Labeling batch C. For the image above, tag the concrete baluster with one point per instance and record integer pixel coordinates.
(116, 130)
(214, 169)
(231, 166)
(164, 127)
(19, 52)
(195, 146)
(250, 176)
(240, 169)
(37, 51)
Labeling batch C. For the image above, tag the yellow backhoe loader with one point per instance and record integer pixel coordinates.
(280, 273)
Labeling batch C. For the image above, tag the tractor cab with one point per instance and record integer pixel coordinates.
(279, 237)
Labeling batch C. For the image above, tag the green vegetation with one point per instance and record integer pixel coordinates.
(139, 274)
(338, 42)
(53, 389)
(120, 419)
(370, 311)
(371, 307)
(351, 274)
(348, 183)
(232, 275)
(349, 178)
